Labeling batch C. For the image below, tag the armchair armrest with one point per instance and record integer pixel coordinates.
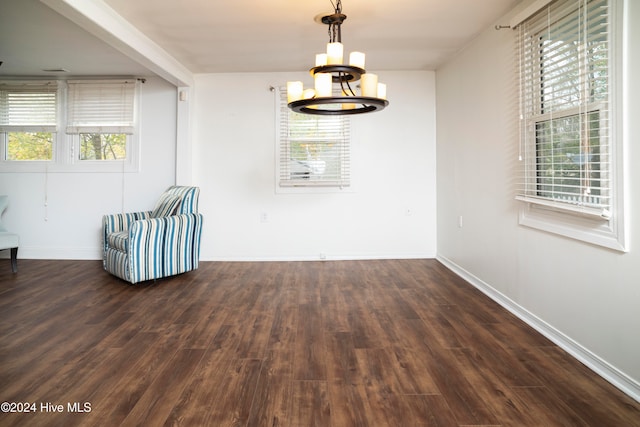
(160, 247)
(120, 222)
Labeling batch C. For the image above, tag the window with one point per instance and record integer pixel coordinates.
(570, 155)
(76, 125)
(101, 116)
(313, 150)
(28, 120)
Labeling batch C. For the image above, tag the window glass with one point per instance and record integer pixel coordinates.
(23, 146)
(103, 146)
(568, 167)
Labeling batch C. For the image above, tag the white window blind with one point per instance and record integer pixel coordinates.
(101, 106)
(564, 69)
(314, 150)
(28, 107)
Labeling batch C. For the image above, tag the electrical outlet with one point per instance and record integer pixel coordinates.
(264, 217)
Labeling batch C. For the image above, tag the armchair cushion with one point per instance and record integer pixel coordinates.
(119, 240)
(166, 206)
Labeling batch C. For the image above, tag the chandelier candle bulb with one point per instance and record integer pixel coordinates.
(323, 84)
(321, 59)
(334, 53)
(382, 91)
(369, 85)
(308, 94)
(294, 91)
(356, 59)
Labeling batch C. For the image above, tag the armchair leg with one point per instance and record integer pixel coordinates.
(14, 260)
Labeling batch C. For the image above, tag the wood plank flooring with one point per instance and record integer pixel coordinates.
(331, 344)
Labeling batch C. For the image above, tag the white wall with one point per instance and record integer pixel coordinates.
(389, 213)
(587, 296)
(394, 172)
(69, 227)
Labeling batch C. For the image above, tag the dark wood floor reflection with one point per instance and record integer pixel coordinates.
(343, 343)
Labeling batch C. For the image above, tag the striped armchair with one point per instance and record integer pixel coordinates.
(154, 244)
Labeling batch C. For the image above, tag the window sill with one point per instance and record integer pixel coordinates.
(589, 228)
(51, 167)
(293, 188)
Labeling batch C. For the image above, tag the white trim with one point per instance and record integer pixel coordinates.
(184, 148)
(577, 208)
(589, 229)
(314, 257)
(619, 379)
(88, 253)
(80, 253)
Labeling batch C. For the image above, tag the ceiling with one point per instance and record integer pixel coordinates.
(33, 37)
(209, 36)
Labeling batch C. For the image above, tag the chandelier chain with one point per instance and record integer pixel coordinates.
(337, 6)
(334, 27)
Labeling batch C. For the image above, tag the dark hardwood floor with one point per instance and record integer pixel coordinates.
(350, 343)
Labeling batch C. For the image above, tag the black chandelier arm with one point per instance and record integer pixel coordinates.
(348, 91)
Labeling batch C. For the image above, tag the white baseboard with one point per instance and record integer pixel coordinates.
(600, 366)
(318, 257)
(96, 254)
(32, 252)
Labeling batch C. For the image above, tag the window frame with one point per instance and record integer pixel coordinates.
(310, 186)
(66, 146)
(597, 226)
(54, 129)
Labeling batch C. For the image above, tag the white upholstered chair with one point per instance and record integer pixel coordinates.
(8, 240)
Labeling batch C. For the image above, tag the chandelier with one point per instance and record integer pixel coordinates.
(335, 91)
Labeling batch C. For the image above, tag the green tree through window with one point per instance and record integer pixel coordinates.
(29, 146)
(103, 146)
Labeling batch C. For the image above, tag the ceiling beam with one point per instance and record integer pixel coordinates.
(97, 18)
